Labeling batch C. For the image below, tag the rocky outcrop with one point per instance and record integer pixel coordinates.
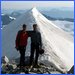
(11, 68)
(5, 60)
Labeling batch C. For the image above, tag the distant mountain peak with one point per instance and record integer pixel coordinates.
(34, 10)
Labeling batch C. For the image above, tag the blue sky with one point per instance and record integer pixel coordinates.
(31, 4)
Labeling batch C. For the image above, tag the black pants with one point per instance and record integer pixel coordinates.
(33, 49)
(22, 55)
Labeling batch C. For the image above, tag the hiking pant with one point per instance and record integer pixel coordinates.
(22, 55)
(33, 49)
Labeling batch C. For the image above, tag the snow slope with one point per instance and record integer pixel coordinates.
(58, 45)
(66, 26)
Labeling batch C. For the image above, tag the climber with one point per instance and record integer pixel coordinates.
(21, 43)
(36, 44)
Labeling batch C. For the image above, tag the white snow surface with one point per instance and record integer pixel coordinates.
(66, 26)
(12, 17)
(58, 44)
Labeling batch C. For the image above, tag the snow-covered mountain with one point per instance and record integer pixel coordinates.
(60, 19)
(60, 12)
(15, 14)
(6, 19)
(58, 44)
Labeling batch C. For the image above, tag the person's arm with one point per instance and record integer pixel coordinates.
(29, 33)
(40, 40)
(17, 39)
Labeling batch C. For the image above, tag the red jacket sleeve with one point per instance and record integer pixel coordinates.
(17, 39)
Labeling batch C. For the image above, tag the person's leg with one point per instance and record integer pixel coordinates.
(22, 56)
(20, 51)
(37, 54)
(32, 54)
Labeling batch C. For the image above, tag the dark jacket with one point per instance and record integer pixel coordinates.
(35, 37)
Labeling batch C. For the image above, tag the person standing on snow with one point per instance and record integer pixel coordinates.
(36, 44)
(21, 43)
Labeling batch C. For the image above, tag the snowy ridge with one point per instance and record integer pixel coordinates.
(58, 45)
